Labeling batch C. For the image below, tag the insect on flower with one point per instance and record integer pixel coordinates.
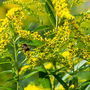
(26, 47)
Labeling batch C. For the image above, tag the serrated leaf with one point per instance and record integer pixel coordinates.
(41, 28)
(7, 71)
(28, 75)
(5, 88)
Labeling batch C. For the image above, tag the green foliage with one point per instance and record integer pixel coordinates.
(57, 53)
(44, 78)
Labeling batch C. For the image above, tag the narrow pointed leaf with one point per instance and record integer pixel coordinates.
(22, 88)
(84, 83)
(11, 80)
(28, 75)
(44, 78)
(4, 62)
(7, 71)
(5, 88)
(60, 81)
(42, 28)
(50, 12)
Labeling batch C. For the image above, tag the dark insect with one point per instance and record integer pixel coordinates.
(26, 47)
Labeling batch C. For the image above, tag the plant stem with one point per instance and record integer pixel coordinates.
(16, 62)
(54, 77)
(54, 63)
(56, 20)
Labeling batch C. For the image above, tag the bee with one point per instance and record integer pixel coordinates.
(26, 47)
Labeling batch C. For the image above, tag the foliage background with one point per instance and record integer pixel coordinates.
(3, 10)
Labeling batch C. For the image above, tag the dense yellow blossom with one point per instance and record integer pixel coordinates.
(33, 87)
(36, 36)
(67, 37)
(61, 9)
(48, 66)
(72, 86)
(23, 69)
(65, 54)
(11, 23)
(60, 87)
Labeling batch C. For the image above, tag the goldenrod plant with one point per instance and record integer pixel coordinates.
(56, 52)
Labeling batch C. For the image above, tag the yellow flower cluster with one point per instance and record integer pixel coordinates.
(71, 87)
(16, 15)
(46, 52)
(4, 33)
(36, 36)
(85, 17)
(60, 87)
(62, 37)
(23, 69)
(61, 9)
(12, 14)
(33, 87)
(48, 66)
(24, 34)
(9, 25)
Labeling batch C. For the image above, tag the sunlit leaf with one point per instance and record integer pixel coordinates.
(29, 75)
(84, 83)
(44, 78)
(7, 71)
(5, 62)
(50, 12)
(11, 80)
(5, 88)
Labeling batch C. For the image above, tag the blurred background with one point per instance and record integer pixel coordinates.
(3, 10)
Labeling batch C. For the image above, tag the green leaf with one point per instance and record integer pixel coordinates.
(7, 71)
(22, 88)
(57, 70)
(83, 67)
(50, 11)
(41, 28)
(10, 80)
(44, 78)
(50, 3)
(5, 88)
(61, 81)
(37, 43)
(84, 83)
(13, 71)
(28, 75)
(60, 52)
(5, 62)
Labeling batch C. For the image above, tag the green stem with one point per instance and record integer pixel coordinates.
(54, 63)
(16, 62)
(56, 20)
(54, 77)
